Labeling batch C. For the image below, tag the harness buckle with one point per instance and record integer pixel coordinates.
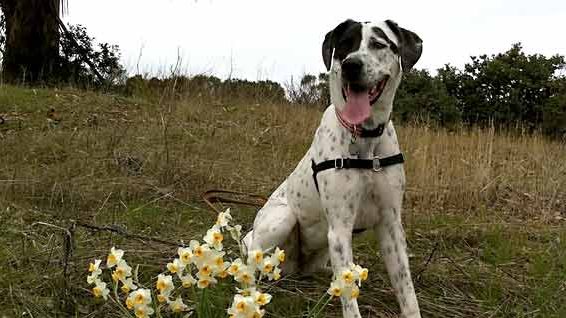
(339, 160)
(376, 164)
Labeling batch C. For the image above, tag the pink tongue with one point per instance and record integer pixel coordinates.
(357, 108)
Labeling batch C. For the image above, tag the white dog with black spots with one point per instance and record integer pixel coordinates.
(313, 218)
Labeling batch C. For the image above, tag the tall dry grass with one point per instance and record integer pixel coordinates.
(108, 148)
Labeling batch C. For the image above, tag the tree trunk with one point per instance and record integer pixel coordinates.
(32, 40)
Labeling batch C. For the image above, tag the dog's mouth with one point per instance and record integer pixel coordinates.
(359, 100)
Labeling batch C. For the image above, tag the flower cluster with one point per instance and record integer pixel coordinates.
(347, 282)
(200, 264)
(248, 303)
(99, 289)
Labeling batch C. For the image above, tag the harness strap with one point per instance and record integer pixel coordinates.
(376, 164)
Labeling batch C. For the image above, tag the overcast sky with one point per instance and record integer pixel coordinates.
(271, 39)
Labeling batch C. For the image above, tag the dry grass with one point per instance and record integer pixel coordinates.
(483, 208)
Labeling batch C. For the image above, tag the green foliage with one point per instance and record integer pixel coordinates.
(424, 97)
(104, 57)
(310, 90)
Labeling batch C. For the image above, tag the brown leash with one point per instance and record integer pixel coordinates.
(211, 197)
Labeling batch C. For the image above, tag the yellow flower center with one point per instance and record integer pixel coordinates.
(219, 261)
(204, 283)
(276, 276)
(199, 251)
(125, 288)
(336, 291)
(161, 298)
(355, 293)
(120, 272)
(186, 257)
(172, 268)
(364, 274)
(115, 277)
(348, 277)
(246, 278)
(217, 237)
(161, 285)
(261, 299)
(91, 267)
(140, 312)
(268, 268)
(138, 299)
(223, 274)
(177, 308)
(112, 259)
(97, 291)
(129, 303)
(205, 270)
(233, 269)
(281, 257)
(241, 306)
(258, 257)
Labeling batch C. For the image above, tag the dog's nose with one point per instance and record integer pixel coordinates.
(351, 68)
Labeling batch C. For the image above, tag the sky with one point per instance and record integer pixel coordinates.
(278, 40)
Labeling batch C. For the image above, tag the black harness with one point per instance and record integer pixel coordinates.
(376, 164)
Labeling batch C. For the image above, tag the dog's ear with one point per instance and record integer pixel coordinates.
(410, 45)
(330, 41)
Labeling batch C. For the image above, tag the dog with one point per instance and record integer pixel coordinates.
(351, 179)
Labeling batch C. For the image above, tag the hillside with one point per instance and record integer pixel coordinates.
(484, 209)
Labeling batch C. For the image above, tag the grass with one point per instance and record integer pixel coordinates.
(484, 209)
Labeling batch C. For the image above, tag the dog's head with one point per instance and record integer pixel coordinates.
(366, 61)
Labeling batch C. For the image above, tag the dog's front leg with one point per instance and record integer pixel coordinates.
(394, 249)
(340, 226)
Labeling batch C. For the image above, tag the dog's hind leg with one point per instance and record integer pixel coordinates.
(276, 226)
(394, 250)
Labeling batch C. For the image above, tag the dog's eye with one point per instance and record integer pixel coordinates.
(376, 45)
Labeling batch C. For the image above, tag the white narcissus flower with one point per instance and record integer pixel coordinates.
(128, 285)
(335, 289)
(114, 257)
(143, 311)
(235, 232)
(176, 267)
(362, 273)
(95, 271)
(178, 306)
(188, 281)
(200, 252)
(224, 218)
(275, 275)
(214, 238)
(266, 266)
(100, 290)
(255, 257)
(244, 307)
(347, 276)
(278, 256)
(164, 284)
(204, 281)
(235, 267)
(262, 299)
(185, 255)
(122, 270)
(245, 276)
(94, 268)
(139, 297)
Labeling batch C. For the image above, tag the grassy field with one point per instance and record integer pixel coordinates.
(484, 210)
